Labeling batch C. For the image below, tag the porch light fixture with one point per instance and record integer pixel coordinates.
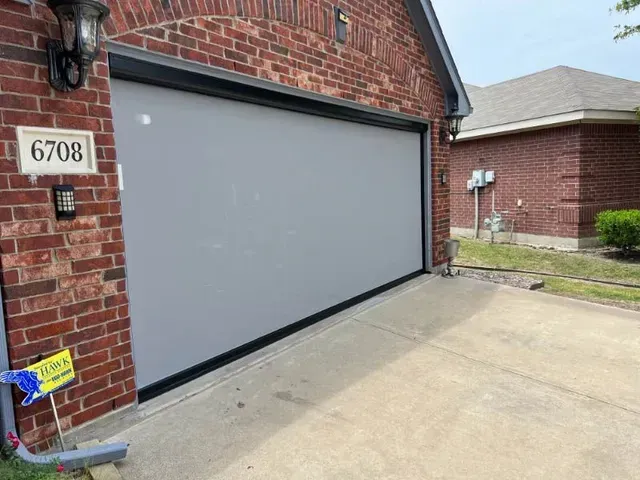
(449, 133)
(65, 202)
(70, 58)
(342, 22)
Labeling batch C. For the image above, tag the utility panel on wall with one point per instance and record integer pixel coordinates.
(478, 178)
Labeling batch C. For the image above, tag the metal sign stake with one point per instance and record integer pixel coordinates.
(55, 414)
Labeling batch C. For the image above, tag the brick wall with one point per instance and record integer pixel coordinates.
(540, 168)
(564, 176)
(610, 171)
(64, 282)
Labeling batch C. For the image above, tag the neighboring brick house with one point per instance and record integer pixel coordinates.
(271, 174)
(564, 145)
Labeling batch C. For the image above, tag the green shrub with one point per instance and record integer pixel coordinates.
(619, 228)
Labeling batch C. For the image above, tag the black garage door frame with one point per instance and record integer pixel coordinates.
(136, 65)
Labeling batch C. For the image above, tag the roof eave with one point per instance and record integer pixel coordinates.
(567, 118)
(426, 23)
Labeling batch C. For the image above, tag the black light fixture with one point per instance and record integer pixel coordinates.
(449, 133)
(342, 22)
(71, 57)
(64, 198)
(443, 177)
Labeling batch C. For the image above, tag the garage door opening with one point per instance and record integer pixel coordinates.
(241, 220)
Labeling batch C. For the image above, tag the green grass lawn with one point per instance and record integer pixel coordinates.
(475, 252)
(478, 253)
(591, 291)
(14, 469)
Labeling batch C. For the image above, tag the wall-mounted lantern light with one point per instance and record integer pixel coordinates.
(71, 57)
(443, 177)
(65, 202)
(449, 133)
(342, 22)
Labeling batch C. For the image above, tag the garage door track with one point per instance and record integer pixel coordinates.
(437, 379)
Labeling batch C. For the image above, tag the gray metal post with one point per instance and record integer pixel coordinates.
(7, 415)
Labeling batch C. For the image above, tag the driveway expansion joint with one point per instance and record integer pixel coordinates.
(540, 381)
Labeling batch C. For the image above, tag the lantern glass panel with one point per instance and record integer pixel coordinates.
(67, 20)
(89, 30)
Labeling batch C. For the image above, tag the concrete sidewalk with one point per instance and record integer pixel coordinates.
(439, 379)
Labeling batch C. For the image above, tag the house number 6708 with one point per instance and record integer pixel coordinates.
(44, 150)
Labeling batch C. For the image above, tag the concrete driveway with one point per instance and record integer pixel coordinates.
(438, 379)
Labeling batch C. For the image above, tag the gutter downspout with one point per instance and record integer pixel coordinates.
(7, 415)
(71, 460)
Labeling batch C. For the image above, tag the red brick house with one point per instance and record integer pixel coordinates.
(564, 145)
(252, 174)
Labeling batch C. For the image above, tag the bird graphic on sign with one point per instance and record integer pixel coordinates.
(27, 381)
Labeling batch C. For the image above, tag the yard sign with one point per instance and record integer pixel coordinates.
(43, 378)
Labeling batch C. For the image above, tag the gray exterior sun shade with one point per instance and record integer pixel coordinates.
(241, 219)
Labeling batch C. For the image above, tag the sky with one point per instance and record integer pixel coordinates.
(496, 40)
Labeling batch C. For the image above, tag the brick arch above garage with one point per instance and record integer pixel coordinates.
(382, 64)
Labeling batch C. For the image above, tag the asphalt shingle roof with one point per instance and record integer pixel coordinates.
(470, 88)
(550, 92)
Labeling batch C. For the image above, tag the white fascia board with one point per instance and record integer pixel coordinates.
(581, 116)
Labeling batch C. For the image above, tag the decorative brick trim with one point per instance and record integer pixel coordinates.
(586, 214)
(302, 14)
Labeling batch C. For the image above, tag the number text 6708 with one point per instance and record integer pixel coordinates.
(44, 150)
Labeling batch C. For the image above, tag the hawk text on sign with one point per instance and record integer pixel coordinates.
(43, 378)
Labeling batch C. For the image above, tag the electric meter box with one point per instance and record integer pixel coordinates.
(490, 176)
(478, 178)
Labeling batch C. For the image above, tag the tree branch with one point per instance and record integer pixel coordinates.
(625, 31)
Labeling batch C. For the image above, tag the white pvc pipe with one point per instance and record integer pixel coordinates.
(493, 211)
(477, 222)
